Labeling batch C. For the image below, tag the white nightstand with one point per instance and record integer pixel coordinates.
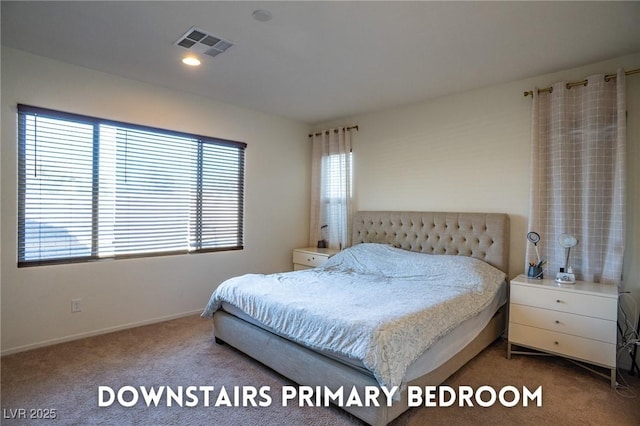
(576, 321)
(310, 257)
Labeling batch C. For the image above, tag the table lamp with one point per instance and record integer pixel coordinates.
(566, 275)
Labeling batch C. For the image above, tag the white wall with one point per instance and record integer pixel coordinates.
(36, 301)
(470, 152)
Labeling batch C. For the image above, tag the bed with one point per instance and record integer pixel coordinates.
(336, 360)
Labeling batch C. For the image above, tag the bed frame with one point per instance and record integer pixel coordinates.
(480, 235)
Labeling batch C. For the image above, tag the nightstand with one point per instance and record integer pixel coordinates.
(310, 257)
(576, 321)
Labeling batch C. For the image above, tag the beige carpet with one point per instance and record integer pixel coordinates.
(181, 352)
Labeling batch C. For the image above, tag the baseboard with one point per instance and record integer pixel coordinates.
(95, 333)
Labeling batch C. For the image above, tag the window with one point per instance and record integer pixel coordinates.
(92, 189)
(337, 169)
(331, 188)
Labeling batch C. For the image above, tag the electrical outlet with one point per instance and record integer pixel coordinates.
(76, 305)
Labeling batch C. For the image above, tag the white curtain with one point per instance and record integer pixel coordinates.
(578, 177)
(331, 188)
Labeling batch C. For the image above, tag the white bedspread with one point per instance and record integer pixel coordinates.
(372, 302)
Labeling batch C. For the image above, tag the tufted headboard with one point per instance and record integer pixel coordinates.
(484, 236)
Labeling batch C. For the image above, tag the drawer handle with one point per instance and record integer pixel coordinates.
(557, 322)
(558, 301)
(556, 343)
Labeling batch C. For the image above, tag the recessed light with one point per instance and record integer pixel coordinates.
(191, 61)
(261, 15)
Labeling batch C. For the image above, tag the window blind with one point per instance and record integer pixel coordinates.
(91, 189)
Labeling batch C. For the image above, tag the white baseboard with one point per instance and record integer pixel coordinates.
(79, 336)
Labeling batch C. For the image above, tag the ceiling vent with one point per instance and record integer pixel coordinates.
(199, 41)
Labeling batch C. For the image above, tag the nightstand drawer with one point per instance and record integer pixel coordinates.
(309, 259)
(593, 351)
(575, 303)
(576, 325)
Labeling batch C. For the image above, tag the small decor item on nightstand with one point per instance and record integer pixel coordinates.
(535, 270)
(323, 234)
(566, 276)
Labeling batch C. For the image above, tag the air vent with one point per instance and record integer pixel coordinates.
(199, 41)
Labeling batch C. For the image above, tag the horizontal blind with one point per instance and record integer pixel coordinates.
(222, 196)
(154, 185)
(55, 188)
(94, 189)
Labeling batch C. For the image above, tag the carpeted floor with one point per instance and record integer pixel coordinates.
(64, 380)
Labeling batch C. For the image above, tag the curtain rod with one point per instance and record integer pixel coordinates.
(607, 77)
(326, 132)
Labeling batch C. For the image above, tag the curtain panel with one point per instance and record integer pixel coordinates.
(331, 188)
(578, 155)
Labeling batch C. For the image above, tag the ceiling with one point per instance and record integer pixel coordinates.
(318, 61)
